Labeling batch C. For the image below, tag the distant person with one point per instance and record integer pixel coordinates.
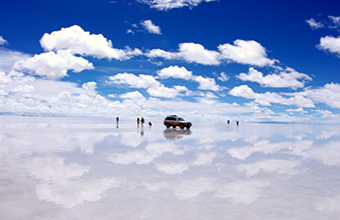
(117, 119)
(142, 121)
(237, 123)
(137, 121)
(228, 122)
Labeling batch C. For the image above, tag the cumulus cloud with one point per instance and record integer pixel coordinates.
(78, 41)
(330, 44)
(132, 95)
(328, 94)
(270, 97)
(9, 58)
(207, 83)
(141, 81)
(154, 88)
(89, 85)
(190, 52)
(300, 110)
(54, 65)
(150, 27)
(182, 73)
(313, 24)
(2, 41)
(164, 5)
(175, 72)
(285, 79)
(246, 52)
(165, 92)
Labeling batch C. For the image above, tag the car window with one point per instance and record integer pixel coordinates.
(180, 119)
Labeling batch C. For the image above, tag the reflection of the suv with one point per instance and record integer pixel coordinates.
(175, 134)
(174, 121)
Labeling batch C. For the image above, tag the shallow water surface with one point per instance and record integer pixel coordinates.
(63, 168)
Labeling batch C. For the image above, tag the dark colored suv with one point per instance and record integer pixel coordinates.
(174, 121)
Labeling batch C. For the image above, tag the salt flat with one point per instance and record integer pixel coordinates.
(73, 168)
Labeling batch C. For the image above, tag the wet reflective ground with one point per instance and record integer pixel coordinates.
(57, 168)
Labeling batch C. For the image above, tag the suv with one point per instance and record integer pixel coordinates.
(174, 120)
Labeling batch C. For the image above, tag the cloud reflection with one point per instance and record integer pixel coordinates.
(79, 164)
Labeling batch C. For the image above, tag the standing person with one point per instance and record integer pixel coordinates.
(137, 121)
(142, 121)
(237, 123)
(117, 121)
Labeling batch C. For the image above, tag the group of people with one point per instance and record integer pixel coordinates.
(228, 122)
(142, 121)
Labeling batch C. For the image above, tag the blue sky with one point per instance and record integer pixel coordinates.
(251, 61)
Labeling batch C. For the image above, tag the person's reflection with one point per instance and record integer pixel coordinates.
(174, 134)
(140, 129)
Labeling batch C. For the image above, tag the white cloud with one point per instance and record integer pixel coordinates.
(78, 41)
(207, 83)
(330, 44)
(9, 58)
(335, 21)
(183, 73)
(223, 77)
(300, 110)
(2, 41)
(54, 65)
(25, 94)
(288, 78)
(190, 52)
(313, 24)
(165, 92)
(141, 81)
(328, 94)
(154, 88)
(175, 72)
(132, 95)
(165, 5)
(150, 27)
(164, 54)
(89, 85)
(327, 114)
(245, 52)
(270, 97)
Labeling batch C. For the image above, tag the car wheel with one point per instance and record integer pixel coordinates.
(181, 126)
(167, 125)
(188, 127)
